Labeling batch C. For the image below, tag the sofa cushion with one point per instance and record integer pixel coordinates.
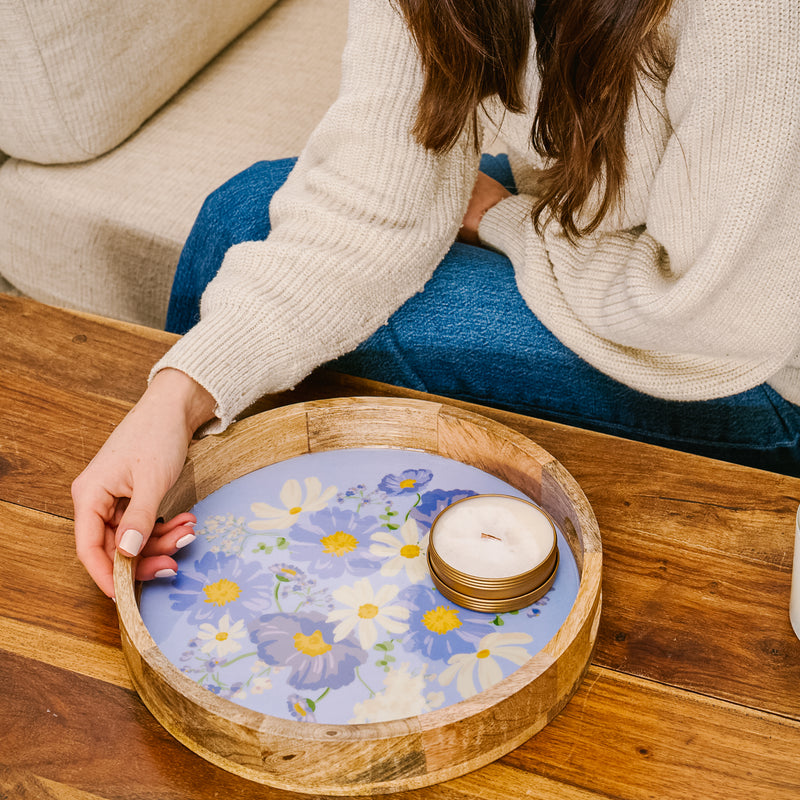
(104, 236)
(79, 76)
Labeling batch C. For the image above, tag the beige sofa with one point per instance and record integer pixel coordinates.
(120, 116)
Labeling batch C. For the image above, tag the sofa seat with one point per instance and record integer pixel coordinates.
(104, 235)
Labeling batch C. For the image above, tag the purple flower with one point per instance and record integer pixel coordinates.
(333, 541)
(439, 628)
(304, 643)
(301, 708)
(218, 583)
(409, 481)
(434, 502)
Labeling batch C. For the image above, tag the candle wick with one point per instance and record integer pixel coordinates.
(489, 536)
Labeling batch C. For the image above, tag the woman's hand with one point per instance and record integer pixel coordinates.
(116, 498)
(486, 193)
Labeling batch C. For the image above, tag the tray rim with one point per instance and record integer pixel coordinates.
(312, 427)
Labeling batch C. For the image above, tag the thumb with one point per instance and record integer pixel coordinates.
(138, 521)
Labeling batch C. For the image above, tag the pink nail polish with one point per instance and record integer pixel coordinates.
(166, 573)
(131, 542)
(184, 540)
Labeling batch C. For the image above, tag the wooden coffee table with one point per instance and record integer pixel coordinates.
(694, 689)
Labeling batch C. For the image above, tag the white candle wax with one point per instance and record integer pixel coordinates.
(492, 536)
(794, 601)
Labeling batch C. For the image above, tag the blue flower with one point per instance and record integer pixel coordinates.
(305, 644)
(333, 541)
(439, 628)
(432, 503)
(301, 708)
(409, 481)
(219, 583)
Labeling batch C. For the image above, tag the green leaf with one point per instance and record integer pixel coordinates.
(498, 621)
(392, 527)
(282, 578)
(311, 704)
(282, 543)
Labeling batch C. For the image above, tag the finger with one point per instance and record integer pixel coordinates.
(156, 567)
(92, 535)
(185, 519)
(139, 519)
(170, 542)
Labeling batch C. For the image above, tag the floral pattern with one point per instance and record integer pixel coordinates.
(311, 600)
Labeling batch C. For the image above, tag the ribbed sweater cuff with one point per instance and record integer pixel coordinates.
(503, 226)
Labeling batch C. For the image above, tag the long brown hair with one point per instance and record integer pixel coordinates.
(590, 55)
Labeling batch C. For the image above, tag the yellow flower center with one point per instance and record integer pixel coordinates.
(313, 645)
(288, 571)
(483, 654)
(339, 543)
(368, 611)
(295, 510)
(408, 483)
(221, 636)
(222, 592)
(299, 709)
(441, 620)
(409, 550)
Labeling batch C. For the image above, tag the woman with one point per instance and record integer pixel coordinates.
(653, 235)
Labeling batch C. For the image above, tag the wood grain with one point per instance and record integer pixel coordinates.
(718, 626)
(619, 737)
(693, 632)
(44, 585)
(665, 743)
(38, 462)
(71, 351)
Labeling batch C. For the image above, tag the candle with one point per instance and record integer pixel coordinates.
(493, 552)
(494, 536)
(794, 601)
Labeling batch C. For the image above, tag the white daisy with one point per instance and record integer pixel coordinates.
(406, 552)
(273, 518)
(404, 696)
(221, 640)
(462, 665)
(366, 609)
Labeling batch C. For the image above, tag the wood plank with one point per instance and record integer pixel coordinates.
(719, 626)
(18, 784)
(620, 737)
(48, 435)
(632, 739)
(76, 654)
(44, 584)
(79, 352)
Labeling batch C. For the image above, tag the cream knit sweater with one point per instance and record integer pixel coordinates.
(690, 291)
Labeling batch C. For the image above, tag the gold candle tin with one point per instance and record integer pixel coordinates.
(493, 594)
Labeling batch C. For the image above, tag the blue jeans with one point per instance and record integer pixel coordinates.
(469, 335)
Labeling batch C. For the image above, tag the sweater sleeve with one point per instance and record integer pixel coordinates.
(357, 229)
(701, 297)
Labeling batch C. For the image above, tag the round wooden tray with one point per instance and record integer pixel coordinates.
(374, 758)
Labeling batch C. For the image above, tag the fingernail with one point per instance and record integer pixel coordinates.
(166, 573)
(190, 524)
(184, 540)
(131, 542)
